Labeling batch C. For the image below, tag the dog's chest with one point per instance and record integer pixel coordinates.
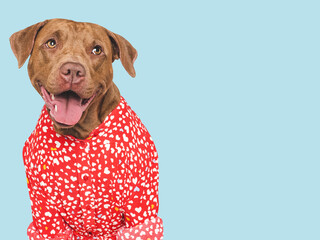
(86, 180)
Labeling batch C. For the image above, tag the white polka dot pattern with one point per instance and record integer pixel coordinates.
(89, 189)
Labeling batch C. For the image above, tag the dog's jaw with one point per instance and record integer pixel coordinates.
(66, 108)
(92, 116)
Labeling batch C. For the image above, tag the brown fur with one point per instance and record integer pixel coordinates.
(75, 41)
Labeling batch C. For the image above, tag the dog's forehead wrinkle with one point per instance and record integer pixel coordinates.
(57, 33)
(78, 26)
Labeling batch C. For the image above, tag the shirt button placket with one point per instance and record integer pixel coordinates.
(86, 192)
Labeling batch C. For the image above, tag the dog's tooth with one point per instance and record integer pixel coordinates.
(56, 108)
(52, 97)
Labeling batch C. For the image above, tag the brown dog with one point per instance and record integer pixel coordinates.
(72, 57)
(71, 68)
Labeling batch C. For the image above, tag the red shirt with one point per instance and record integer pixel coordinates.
(97, 188)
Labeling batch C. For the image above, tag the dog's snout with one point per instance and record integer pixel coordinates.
(72, 72)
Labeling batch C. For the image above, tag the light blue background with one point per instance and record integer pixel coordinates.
(229, 90)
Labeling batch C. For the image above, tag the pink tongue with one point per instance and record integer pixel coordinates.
(69, 110)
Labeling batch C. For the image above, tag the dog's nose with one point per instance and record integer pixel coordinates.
(72, 72)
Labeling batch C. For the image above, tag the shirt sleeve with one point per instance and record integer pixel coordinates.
(141, 205)
(47, 222)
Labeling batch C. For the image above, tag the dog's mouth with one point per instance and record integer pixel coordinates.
(67, 107)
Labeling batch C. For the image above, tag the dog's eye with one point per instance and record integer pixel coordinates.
(51, 43)
(97, 50)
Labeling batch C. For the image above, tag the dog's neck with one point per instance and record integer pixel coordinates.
(94, 115)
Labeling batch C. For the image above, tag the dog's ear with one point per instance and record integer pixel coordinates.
(22, 42)
(125, 51)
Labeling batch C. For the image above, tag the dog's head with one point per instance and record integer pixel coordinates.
(71, 64)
